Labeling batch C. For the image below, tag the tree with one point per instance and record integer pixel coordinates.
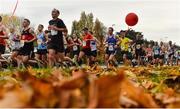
(99, 30)
(12, 22)
(87, 20)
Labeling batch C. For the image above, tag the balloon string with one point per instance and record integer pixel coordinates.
(15, 8)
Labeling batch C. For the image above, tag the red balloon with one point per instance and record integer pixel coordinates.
(131, 19)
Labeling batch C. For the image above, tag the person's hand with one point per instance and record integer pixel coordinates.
(49, 27)
(54, 28)
(115, 46)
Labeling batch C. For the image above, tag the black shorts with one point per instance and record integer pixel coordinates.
(156, 56)
(2, 49)
(150, 58)
(124, 52)
(87, 51)
(139, 52)
(67, 50)
(16, 50)
(170, 55)
(110, 52)
(94, 53)
(41, 51)
(76, 52)
(27, 49)
(161, 56)
(58, 47)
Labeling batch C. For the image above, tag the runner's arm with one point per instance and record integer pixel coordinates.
(80, 42)
(60, 29)
(72, 43)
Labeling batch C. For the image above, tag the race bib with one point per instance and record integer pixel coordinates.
(93, 46)
(65, 46)
(111, 48)
(35, 49)
(129, 49)
(166, 56)
(75, 48)
(122, 47)
(53, 32)
(156, 52)
(39, 42)
(138, 46)
(84, 43)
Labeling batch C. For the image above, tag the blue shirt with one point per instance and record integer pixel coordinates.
(41, 40)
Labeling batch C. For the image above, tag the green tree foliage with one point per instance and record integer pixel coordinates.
(99, 30)
(87, 20)
(12, 22)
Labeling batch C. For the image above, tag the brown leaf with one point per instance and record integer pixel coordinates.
(137, 94)
(109, 90)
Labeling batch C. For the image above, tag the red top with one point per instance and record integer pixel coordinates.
(149, 51)
(26, 35)
(2, 41)
(86, 41)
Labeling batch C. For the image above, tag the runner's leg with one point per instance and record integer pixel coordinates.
(51, 57)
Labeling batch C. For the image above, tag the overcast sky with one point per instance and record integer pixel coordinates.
(158, 19)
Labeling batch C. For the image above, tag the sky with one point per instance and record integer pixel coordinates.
(158, 19)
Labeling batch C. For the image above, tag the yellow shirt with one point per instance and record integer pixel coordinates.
(124, 44)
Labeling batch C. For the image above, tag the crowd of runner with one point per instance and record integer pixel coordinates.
(54, 46)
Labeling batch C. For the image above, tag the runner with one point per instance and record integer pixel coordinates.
(86, 48)
(94, 44)
(124, 43)
(178, 57)
(56, 44)
(28, 36)
(162, 53)
(111, 45)
(76, 47)
(14, 42)
(41, 53)
(3, 37)
(149, 54)
(68, 43)
(156, 51)
(171, 52)
(138, 48)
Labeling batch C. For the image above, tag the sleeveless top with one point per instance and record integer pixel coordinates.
(111, 41)
(41, 40)
(2, 41)
(26, 35)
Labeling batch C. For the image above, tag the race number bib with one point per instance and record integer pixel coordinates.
(156, 52)
(35, 49)
(138, 46)
(39, 41)
(75, 48)
(122, 47)
(111, 48)
(53, 32)
(93, 46)
(65, 46)
(129, 49)
(84, 43)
